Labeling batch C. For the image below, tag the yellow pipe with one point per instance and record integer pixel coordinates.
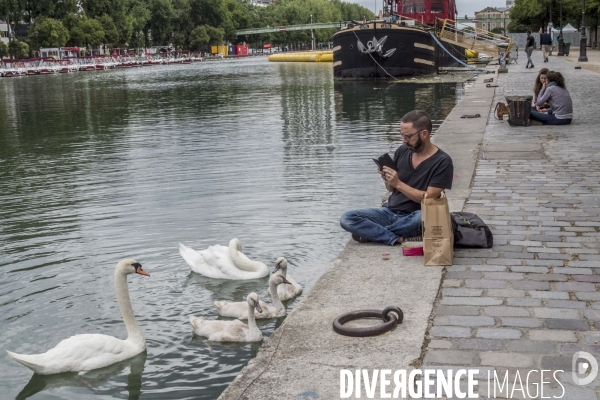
(311, 56)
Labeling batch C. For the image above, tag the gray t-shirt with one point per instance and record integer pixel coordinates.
(437, 171)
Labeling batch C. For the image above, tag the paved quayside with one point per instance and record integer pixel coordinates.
(532, 301)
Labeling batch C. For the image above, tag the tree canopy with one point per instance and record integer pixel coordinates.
(177, 23)
(534, 14)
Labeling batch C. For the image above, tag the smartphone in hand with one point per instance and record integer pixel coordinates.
(385, 161)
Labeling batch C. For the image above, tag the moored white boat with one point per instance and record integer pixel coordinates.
(13, 67)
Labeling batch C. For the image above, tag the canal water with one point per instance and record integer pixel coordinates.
(96, 167)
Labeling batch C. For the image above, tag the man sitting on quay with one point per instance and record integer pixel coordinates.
(423, 169)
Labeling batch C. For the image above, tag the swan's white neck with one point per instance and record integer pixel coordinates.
(245, 265)
(275, 297)
(251, 318)
(134, 334)
(283, 271)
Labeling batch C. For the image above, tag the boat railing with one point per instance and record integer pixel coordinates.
(473, 38)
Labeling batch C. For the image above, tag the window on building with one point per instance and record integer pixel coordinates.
(437, 6)
(413, 6)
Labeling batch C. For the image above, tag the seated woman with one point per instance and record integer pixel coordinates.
(537, 87)
(557, 95)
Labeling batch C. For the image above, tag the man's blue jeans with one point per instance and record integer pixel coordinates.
(382, 224)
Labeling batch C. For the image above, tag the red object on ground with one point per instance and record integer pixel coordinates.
(412, 251)
(267, 46)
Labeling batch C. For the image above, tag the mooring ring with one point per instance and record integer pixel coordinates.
(390, 321)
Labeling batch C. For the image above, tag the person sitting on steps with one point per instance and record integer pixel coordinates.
(423, 169)
(537, 87)
(557, 95)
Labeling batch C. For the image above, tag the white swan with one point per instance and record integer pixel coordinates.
(92, 351)
(223, 262)
(240, 309)
(290, 291)
(231, 331)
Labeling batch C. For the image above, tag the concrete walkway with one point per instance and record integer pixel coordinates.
(532, 301)
(528, 303)
(593, 62)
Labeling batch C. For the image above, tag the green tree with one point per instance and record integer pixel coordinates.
(199, 37)
(230, 33)
(160, 24)
(3, 50)
(88, 32)
(47, 32)
(216, 35)
(111, 34)
(93, 32)
(18, 49)
(498, 30)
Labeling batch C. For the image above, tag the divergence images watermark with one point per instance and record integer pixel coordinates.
(461, 384)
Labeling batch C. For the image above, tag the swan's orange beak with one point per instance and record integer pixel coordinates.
(141, 271)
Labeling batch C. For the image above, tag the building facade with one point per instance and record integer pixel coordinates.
(4, 32)
(490, 18)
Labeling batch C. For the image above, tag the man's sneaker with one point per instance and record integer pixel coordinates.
(418, 238)
(360, 239)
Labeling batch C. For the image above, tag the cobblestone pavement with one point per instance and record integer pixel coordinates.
(533, 300)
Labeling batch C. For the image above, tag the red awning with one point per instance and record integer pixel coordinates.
(267, 46)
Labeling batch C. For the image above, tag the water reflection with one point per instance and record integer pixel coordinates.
(127, 163)
(91, 379)
(225, 289)
(386, 102)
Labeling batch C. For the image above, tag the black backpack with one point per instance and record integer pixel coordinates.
(470, 231)
(519, 110)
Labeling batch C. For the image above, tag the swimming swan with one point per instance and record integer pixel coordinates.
(240, 309)
(231, 331)
(223, 262)
(290, 291)
(91, 351)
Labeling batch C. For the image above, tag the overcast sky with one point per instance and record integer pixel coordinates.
(463, 7)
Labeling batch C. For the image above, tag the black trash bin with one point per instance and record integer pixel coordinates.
(566, 48)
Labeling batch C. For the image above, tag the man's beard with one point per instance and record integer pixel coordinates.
(418, 147)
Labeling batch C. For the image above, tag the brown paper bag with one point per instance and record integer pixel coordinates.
(438, 238)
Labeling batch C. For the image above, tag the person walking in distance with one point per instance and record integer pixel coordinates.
(529, 49)
(546, 43)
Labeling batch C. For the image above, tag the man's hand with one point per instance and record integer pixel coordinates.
(390, 176)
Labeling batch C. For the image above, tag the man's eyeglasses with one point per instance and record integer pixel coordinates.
(408, 137)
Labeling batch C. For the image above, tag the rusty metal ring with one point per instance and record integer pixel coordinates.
(390, 321)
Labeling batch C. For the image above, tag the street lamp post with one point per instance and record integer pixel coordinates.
(561, 41)
(550, 23)
(583, 41)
